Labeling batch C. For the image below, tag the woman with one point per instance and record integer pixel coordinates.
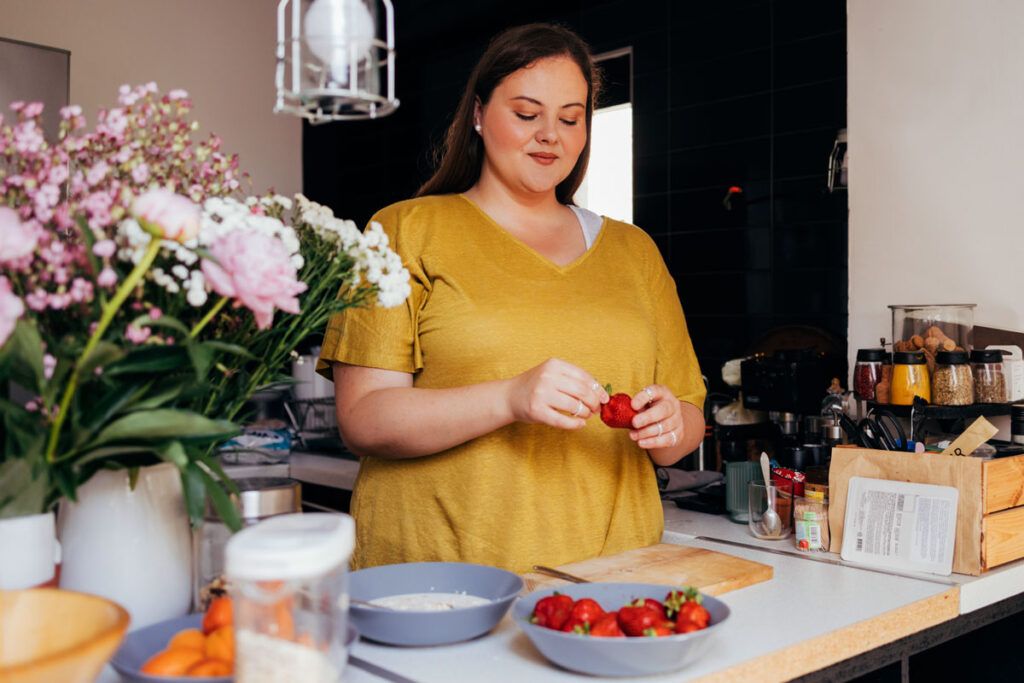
(473, 407)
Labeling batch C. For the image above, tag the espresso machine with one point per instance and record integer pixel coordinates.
(792, 386)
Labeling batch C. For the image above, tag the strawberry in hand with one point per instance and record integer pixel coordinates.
(617, 412)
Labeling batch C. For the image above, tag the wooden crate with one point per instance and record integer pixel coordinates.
(990, 511)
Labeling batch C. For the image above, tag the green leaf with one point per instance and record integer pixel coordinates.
(149, 360)
(162, 424)
(194, 488)
(114, 401)
(21, 492)
(233, 349)
(85, 457)
(21, 358)
(103, 355)
(163, 321)
(173, 452)
(202, 358)
(226, 510)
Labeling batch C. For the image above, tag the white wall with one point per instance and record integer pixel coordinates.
(936, 121)
(221, 51)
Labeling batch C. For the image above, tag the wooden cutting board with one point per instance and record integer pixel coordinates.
(712, 572)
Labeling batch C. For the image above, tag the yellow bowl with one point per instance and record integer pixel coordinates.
(50, 635)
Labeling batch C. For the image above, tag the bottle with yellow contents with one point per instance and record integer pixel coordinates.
(910, 378)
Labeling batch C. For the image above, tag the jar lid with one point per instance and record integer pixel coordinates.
(297, 546)
(951, 357)
(261, 497)
(986, 356)
(872, 355)
(909, 358)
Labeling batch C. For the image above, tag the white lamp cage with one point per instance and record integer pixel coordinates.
(331, 64)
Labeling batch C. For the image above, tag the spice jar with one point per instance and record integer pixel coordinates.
(289, 591)
(909, 378)
(258, 498)
(953, 383)
(989, 378)
(867, 372)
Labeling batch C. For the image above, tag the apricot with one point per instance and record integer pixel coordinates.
(218, 615)
(171, 662)
(210, 667)
(221, 645)
(189, 639)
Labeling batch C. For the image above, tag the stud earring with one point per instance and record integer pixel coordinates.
(477, 127)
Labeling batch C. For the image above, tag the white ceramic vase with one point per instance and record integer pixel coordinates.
(28, 547)
(132, 546)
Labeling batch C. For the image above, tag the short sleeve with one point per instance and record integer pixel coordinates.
(677, 367)
(377, 337)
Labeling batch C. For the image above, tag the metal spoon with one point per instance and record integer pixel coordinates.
(771, 523)
(559, 574)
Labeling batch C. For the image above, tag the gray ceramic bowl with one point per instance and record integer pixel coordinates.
(431, 628)
(139, 646)
(616, 656)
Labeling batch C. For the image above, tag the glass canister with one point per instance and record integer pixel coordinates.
(1017, 423)
(909, 378)
(952, 383)
(933, 327)
(258, 498)
(989, 378)
(867, 372)
(289, 591)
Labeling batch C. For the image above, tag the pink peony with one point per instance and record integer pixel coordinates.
(17, 239)
(11, 309)
(256, 270)
(176, 217)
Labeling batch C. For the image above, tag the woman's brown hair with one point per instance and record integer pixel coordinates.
(460, 159)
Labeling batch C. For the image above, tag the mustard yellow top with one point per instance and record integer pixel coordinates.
(485, 306)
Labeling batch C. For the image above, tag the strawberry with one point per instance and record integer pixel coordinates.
(653, 604)
(607, 626)
(552, 611)
(693, 613)
(636, 620)
(617, 412)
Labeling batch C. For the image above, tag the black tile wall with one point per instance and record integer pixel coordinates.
(734, 92)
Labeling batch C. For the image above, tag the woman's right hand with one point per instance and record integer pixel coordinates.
(555, 393)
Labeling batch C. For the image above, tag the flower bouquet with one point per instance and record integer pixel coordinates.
(144, 298)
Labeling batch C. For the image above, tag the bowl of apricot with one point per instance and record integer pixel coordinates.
(190, 648)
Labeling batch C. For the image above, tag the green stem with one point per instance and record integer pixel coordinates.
(109, 311)
(207, 318)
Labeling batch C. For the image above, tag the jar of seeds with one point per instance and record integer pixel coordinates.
(952, 383)
(989, 378)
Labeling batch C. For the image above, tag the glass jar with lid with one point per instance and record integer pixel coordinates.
(989, 378)
(867, 372)
(933, 327)
(258, 498)
(909, 378)
(953, 382)
(289, 592)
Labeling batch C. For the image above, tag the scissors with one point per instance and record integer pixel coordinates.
(882, 431)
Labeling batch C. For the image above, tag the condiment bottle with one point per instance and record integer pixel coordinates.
(989, 379)
(953, 382)
(289, 588)
(909, 378)
(867, 372)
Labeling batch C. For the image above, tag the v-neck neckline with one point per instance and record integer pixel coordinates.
(523, 245)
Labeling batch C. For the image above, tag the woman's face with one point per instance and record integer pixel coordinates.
(534, 126)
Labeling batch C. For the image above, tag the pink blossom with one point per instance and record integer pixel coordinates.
(70, 112)
(177, 94)
(155, 313)
(97, 173)
(17, 105)
(137, 335)
(81, 290)
(37, 299)
(175, 216)
(31, 406)
(32, 109)
(104, 248)
(28, 139)
(11, 309)
(107, 278)
(140, 173)
(17, 239)
(256, 270)
(58, 174)
(49, 365)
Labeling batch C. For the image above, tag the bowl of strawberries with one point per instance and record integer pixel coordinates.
(620, 629)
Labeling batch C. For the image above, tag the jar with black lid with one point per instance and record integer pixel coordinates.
(867, 372)
(952, 382)
(910, 378)
(989, 378)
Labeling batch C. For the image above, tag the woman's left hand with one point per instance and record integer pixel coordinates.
(660, 424)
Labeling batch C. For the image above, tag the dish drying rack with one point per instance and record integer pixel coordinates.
(315, 423)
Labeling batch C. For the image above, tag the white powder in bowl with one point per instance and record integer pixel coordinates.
(264, 659)
(429, 602)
